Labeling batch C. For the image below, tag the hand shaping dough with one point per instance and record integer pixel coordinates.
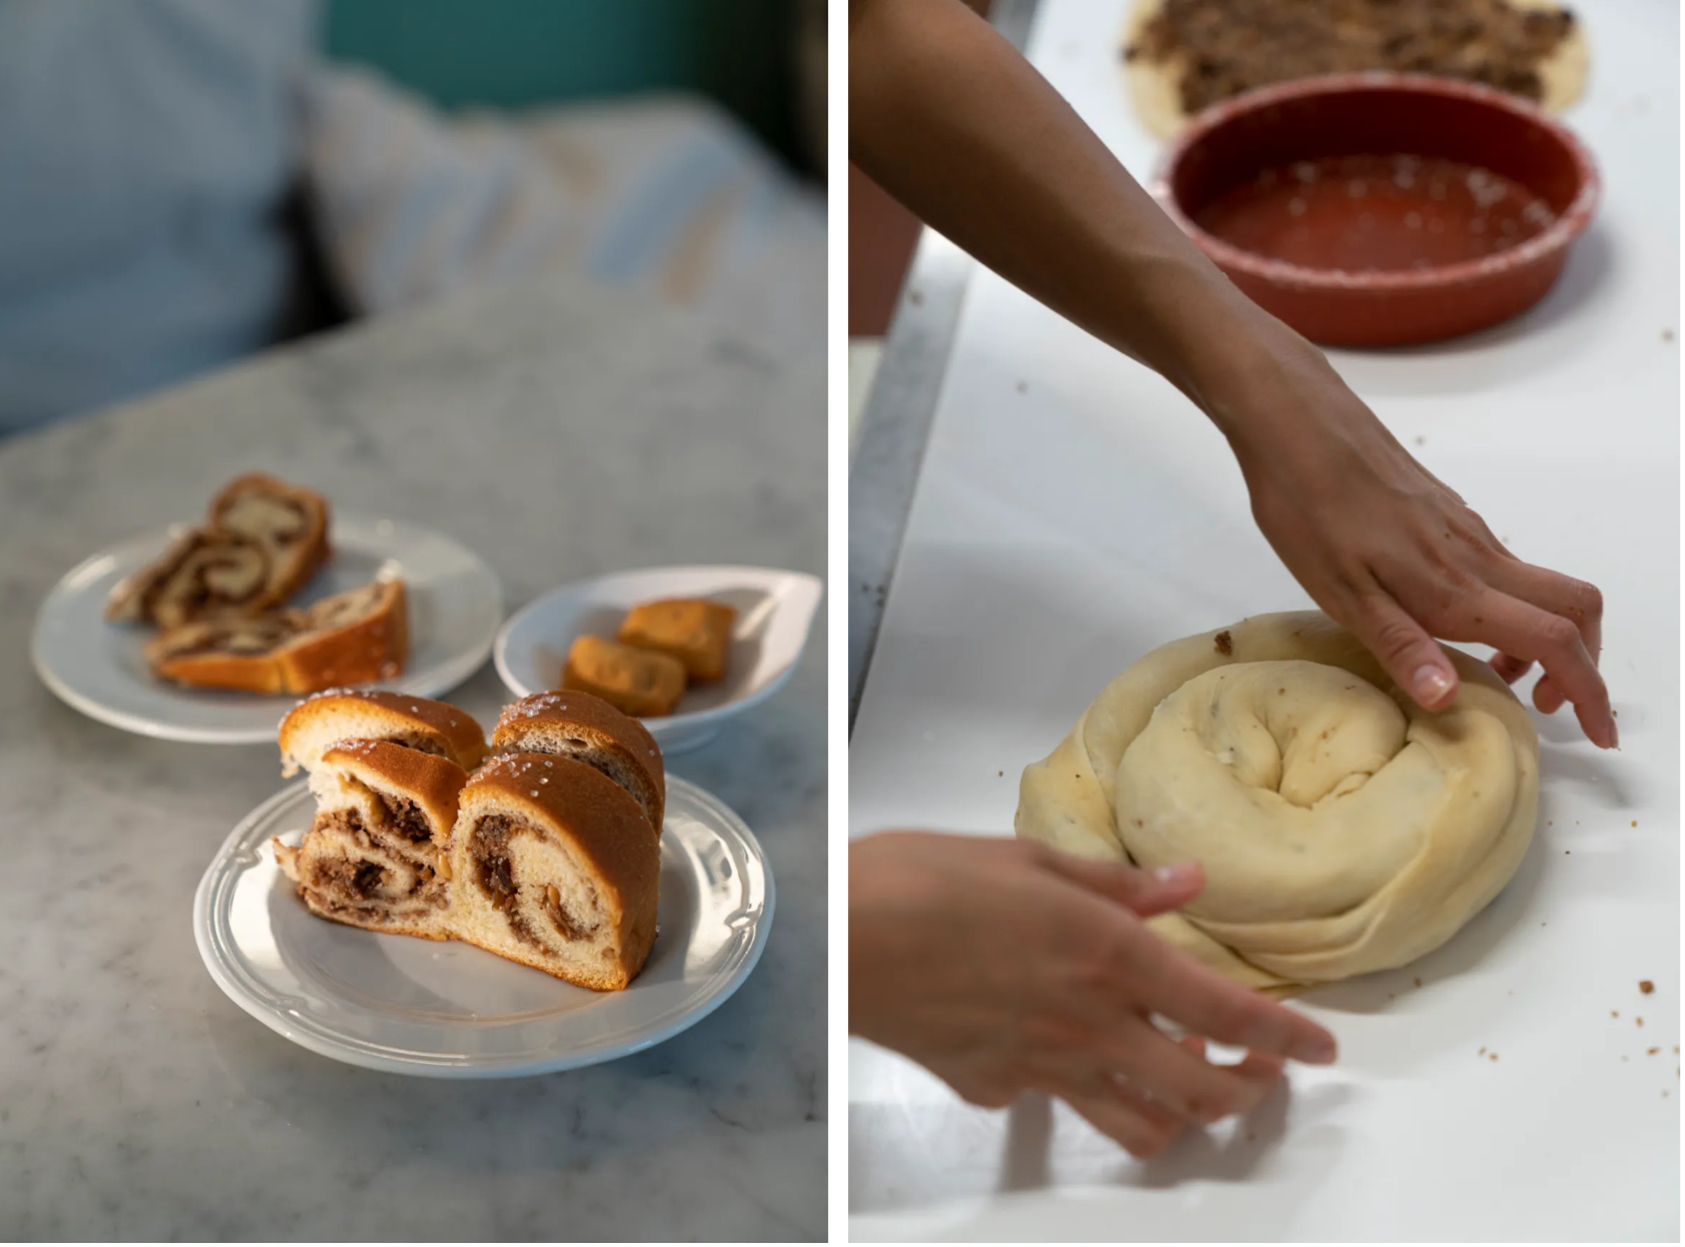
(1342, 829)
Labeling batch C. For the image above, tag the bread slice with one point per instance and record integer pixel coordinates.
(635, 681)
(288, 522)
(554, 865)
(373, 857)
(262, 540)
(201, 574)
(694, 631)
(338, 714)
(352, 638)
(237, 654)
(587, 729)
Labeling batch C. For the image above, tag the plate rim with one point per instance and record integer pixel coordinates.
(450, 674)
(695, 720)
(224, 871)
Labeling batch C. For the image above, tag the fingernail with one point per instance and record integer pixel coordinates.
(1178, 875)
(1430, 684)
(1320, 1051)
(1614, 735)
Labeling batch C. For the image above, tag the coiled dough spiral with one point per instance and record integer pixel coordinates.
(1342, 828)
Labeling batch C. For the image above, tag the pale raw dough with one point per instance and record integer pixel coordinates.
(1153, 87)
(1342, 829)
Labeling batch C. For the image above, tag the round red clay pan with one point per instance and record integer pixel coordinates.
(1381, 209)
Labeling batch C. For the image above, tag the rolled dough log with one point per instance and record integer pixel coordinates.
(1342, 829)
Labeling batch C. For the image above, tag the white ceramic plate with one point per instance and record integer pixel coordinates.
(450, 1010)
(774, 613)
(455, 606)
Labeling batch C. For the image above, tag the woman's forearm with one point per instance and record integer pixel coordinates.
(946, 115)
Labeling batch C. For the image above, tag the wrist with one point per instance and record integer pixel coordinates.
(1246, 370)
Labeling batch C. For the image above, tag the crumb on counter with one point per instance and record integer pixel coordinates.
(1225, 643)
(1646, 986)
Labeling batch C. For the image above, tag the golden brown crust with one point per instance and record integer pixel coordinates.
(221, 653)
(292, 562)
(375, 714)
(551, 722)
(694, 631)
(432, 782)
(372, 645)
(613, 979)
(301, 651)
(239, 673)
(601, 821)
(635, 681)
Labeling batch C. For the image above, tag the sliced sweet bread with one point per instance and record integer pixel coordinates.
(201, 575)
(554, 865)
(373, 856)
(262, 540)
(576, 725)
(288, 522)
(338, 714)
(351, 638)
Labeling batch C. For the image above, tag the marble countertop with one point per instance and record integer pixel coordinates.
(561, 431)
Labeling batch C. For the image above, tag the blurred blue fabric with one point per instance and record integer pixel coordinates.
(146, 149)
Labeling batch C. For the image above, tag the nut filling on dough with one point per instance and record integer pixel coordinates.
(349, 867)
(1225, 47)
(494, 868)
(1341, 828)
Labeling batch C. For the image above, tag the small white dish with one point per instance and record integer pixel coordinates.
(774, 615)
(455, 606)
(443, 1009)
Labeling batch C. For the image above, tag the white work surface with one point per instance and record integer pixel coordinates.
(1073, 512)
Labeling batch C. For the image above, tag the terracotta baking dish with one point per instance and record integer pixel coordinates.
(1381, 209)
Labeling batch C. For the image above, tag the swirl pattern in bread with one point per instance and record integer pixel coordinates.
(557, 867)
(1341, 828)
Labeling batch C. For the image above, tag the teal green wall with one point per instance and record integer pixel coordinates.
(516, 53)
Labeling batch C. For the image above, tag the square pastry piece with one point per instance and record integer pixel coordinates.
(693, 631)
(635, 681)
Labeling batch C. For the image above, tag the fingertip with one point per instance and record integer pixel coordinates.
(1318, 1048)
(1180, 880)
(1433, 685)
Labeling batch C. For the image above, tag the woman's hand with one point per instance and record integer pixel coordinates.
(1004, 966)
(1392, 553)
